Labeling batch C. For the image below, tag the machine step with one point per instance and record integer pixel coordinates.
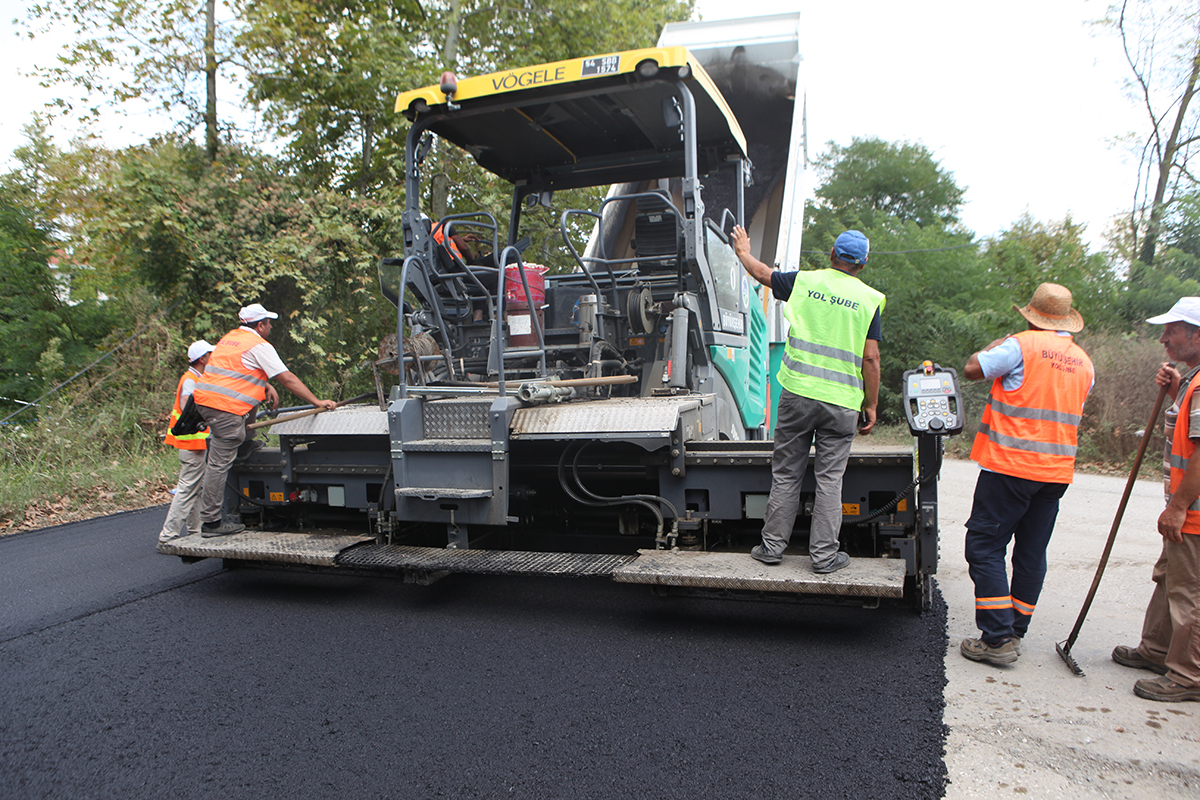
(314, 548)
(864, 577)
(480, 562)
(442, 493)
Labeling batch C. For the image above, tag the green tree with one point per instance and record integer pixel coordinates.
(1162, 47)
(872, 180)
(123, 50)
(1030, 253)
(328, 73)
(216, 237)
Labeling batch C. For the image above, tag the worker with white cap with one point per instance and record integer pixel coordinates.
(184, 513)
(234, 383)
(1170, 644)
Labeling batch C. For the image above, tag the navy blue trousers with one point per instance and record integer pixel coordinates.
(1008, 509)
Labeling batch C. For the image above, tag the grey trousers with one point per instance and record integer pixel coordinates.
(226, 433)
(184, 514)
(799, 422)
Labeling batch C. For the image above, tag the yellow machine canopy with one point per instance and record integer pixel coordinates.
(584, 122)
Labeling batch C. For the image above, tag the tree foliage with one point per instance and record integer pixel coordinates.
(165, 53)
(1162, 47)
(874, 180)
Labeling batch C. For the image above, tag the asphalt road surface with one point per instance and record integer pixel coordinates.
(124, 673)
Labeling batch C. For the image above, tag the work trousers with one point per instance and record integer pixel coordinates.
(1008, 509)
(184, 515)
(799, 422)
(226, 432)
(1171, 631)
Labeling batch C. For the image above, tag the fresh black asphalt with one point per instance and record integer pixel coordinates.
(126, 674)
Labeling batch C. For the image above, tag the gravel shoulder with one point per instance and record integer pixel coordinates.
(1034, 727)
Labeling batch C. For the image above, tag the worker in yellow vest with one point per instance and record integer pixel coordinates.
(235, 382)
(1026, 450)
(830, 380)
(184, 513)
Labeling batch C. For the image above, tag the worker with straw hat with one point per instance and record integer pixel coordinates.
(1026, 448)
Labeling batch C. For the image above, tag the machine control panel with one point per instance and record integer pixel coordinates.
(932, 400)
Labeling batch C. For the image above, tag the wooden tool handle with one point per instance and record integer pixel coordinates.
(309, 413)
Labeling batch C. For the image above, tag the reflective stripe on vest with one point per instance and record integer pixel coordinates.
(227, 384)
(1032, 432)
(1179, 456)
(829, 314)
(192, 441)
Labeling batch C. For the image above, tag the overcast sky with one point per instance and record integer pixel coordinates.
(1020, 100)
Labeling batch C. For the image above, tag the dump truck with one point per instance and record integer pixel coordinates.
(610, 419)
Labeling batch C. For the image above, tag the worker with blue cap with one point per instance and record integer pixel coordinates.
(829, 377)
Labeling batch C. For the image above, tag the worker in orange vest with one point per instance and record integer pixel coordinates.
(1170, 644)
(184, 513)
(1026, 448)
(234, 383)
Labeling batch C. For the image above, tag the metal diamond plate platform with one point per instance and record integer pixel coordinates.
(314, 548)
(345, 421)
(865, 577)
(480, 562)
(626, 416)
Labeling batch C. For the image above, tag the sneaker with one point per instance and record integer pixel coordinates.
(758, 554)
(210, 529)
(1165, 690)
(1017, 642)
(839, 560)
(979, 650)
(1130, 657)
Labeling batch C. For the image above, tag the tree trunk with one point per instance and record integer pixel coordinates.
(368, 151)
(453, 25)
(1165, 164)
(210, 75)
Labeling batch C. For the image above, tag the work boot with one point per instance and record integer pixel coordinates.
(979, 650)
(1017, 642)
(1165, 690)
(210, 529)
(759, 554)
(1130, 657)
(840, 559)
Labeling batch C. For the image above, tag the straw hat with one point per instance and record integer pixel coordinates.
(1051, 309)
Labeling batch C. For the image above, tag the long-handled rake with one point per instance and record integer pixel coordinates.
(1064, 648)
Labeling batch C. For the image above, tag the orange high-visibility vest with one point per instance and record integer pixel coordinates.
(1032, 432)
(1181, 450)
(227, 384)
(192, 441)
(439, 236)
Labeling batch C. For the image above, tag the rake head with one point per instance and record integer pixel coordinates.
(1064, 652)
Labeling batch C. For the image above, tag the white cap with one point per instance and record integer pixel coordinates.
(199, 349)
(1187, 309)
(254, 312)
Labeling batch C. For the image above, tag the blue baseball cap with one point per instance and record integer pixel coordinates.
(852, 247)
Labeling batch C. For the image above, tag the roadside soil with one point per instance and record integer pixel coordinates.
(98, 501)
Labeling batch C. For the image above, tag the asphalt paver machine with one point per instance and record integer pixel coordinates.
(608, 419)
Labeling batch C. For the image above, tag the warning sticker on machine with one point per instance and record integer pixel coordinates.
(605, 65)
(520, 324)
(851, 509)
